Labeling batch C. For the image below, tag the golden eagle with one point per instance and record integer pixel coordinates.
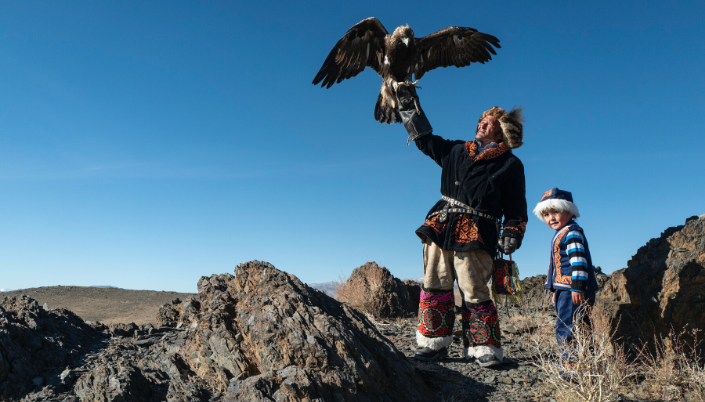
(398, 56)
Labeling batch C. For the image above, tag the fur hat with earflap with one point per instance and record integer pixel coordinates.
(511, 124)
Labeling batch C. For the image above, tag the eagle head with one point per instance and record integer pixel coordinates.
(404, 33)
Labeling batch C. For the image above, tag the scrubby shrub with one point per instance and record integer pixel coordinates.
(674, 370)
(592, 368)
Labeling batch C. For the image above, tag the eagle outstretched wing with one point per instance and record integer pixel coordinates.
(362, 46)
(453, 46)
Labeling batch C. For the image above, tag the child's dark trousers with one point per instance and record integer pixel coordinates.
(568, 314)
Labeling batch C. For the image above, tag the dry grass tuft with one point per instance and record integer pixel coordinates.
(674, 370)
(591, 369)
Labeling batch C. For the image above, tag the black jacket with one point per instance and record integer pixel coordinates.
(491, 183)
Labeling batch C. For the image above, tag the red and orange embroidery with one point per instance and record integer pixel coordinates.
(434, 224)
(546, 194)
(493, 152)
(466, 230)
(471, 147)
(565, 279)
(521, 228)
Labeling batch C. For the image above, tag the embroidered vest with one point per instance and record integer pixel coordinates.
(560, 272)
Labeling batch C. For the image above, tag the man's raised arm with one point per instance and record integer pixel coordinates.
(419, 128)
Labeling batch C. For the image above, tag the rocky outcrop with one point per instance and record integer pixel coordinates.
(373, 290)
(257, 335)
(534, 292)
(37, 343)
(262, 333)
(662, 286)
(414, 289)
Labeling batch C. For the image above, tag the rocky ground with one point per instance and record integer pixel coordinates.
(141, 363)
(146, 364)
(261, 335)
(458, 379)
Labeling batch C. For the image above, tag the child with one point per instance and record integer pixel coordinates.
(571, 275)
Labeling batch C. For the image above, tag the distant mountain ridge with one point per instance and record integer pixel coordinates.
(329, 288)
(326, 287)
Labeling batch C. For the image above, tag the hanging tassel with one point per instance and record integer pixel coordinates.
(518, 295)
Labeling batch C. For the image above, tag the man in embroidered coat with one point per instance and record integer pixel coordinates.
(481, 182)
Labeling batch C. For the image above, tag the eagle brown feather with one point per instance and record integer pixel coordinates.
(400, 56)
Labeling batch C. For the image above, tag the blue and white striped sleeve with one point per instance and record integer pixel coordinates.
(578, 260)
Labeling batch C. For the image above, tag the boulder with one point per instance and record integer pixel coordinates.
(373, 290)
(261, 333)
(36, 344)
(662, 286)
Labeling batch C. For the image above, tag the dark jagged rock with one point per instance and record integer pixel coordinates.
(414, 289)
(534, 291)
(266, 334)
(601, 278)
(123, 329)
(257, 335)
(662, 286)
(36, 344)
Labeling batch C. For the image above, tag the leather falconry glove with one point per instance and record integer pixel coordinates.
(412, 116)
(508, 245)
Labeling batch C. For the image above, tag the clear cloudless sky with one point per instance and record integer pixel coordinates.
(146, 144)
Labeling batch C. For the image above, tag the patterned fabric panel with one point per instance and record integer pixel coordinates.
(434, 224)
(466, 230)
(481, 326)
(436, 314)
(559, 279)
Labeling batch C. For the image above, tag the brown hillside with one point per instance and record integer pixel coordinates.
(107, 305)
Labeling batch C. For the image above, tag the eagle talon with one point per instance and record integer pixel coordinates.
(409, 83)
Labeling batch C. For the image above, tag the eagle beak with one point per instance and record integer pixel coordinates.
(406, 41)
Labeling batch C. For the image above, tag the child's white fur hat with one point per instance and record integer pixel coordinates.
(557, 200)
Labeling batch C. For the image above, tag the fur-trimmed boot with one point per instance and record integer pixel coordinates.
(482, 338)
(435, 325)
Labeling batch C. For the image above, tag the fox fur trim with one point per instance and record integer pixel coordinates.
(436, 343)
(512, 125)
(484, 350)
(556, 205)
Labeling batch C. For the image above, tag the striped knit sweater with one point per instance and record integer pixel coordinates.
(571, 264)
(575, 247)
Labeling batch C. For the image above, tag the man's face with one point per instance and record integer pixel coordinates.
(556, 220)
(488, 130)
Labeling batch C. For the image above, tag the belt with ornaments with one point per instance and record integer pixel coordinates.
(456, 207)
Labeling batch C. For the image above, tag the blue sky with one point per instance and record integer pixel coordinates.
(146, 144)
